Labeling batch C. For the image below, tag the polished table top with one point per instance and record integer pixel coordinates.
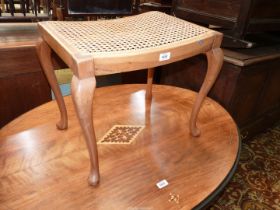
(45, 168)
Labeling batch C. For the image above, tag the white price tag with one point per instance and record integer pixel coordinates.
(163, 183)
(164, 56)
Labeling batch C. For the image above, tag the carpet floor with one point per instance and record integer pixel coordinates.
(256, 183)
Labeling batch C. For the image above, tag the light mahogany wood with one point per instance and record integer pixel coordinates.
(44, 168)
(215, 61)
(44, 54)
(58, 36)
(81, 90)
(150, 77)
(127, 44)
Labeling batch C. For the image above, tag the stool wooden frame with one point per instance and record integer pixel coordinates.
(144, 41)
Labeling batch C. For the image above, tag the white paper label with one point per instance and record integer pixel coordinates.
(164, 56)
(162, 184)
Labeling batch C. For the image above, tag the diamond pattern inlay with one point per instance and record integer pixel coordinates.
(121, 134)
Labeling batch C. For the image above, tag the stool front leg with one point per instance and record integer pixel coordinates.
(215, 60)
(82, 95)
(44, 54)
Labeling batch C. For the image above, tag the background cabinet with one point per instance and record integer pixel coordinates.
(237, 18)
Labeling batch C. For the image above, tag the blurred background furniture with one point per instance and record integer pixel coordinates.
(157, 5)
(236, 18)
(25, 10)
(23, 85)
(65, 9)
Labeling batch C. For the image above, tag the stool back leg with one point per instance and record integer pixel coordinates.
(82, 95)
(149, 95)
(150, 77)
(215, 60)
(44, 54)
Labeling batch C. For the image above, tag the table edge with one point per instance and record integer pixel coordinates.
(210, 198)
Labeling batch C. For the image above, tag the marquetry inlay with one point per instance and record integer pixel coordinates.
(121, 134)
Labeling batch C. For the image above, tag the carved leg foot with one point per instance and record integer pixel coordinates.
(82, 95)
(44, 54)
(215, 60)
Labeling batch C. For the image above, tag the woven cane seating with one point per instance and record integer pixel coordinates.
(132, 43)
(126, 35)
(126, 38)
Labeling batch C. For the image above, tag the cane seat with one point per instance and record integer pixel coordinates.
(115, 45)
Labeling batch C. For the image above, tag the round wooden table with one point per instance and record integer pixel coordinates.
(45, 168)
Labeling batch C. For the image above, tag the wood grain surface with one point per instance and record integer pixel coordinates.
(45, 168)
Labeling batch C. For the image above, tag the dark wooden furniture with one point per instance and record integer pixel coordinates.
(92, 9)
(248, 85)
(237, 18)
(160, 5)
(29, 11)
(42, 167)
(23, 85)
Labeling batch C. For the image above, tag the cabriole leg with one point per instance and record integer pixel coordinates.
(44, 54)
(82, 95)
(215, 60)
